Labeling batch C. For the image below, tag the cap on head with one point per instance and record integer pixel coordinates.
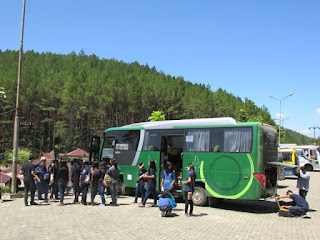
(43, 159)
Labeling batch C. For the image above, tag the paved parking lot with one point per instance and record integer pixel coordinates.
(231, 220)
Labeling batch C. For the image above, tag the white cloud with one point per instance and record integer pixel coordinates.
(318, 110)
(278, 116)
(305, 132)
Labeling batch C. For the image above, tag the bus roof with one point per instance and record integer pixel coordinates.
(169, 124)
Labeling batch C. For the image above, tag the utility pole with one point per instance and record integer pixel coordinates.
(280, 116)
(314, 133)
(16, 119)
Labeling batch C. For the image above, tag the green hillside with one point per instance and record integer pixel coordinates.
(66, 98)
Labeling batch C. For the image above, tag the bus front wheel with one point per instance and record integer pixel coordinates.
(199, 196)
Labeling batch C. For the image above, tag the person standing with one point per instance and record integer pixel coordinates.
(43, 185)
(303, 182)
(53, 169)
(1, 201)
(95, 179)
(168, 178)
(101, 187)
(189, 189)
(151, 178)
(27, 170)
(85, 181)
(75, 176)
(114, 173)
(62, 179)
(140, 183)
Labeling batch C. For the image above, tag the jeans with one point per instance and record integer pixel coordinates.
(29, 185)
(94, 190)
(76, 192)
(62, 187)
(297, 210)
(187, 203)
(84, 193)
(150, 189)
(140, 189)
(114, 193)
(303, 193)
(42, 187)
(54, 190)
(101, 193)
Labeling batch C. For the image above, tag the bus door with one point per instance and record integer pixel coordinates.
(163, 157)
(175, 144)
(95, 147)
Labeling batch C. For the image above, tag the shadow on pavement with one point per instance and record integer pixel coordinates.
(292, 178)
(280, 186)
(250, 206)
(199, 215)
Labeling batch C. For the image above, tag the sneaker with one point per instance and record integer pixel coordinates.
(154, 205)
(102, 205)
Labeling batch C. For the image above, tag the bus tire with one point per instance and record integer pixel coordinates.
(199, 196)
(308, 167)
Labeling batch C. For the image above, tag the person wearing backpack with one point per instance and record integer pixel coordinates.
(166, 203)
(114, 173)
(85, 181)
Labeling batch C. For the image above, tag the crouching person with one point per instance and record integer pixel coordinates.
(299, 206)
(166, 204)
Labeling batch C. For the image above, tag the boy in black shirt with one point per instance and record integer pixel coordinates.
(27, 170)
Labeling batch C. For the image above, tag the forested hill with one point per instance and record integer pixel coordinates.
(66, 98)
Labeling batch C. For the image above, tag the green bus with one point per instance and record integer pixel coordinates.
(232, 160)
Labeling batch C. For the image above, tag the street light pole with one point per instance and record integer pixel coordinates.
(16, 119)
(280, 100)
(314, 133)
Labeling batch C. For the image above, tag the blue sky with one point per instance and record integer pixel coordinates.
(250, 48)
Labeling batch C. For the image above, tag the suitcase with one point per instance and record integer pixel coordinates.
(283, 212)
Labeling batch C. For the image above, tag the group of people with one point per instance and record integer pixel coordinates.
(168, 180)
(58, 177)
(83, 176)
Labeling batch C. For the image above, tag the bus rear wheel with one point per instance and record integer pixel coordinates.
(199, 196)
(309, 167)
